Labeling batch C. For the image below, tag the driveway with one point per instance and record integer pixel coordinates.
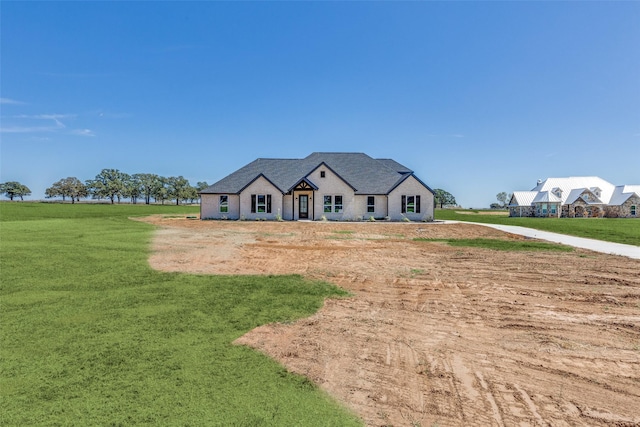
(630, 251)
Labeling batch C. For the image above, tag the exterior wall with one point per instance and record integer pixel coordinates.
(380, 206)
(538, 210)
(260, 186)
(624, 210)
(521, 211)
(287, 207)
(582, 209)
(210, 206)
(411, 187)
(331, 185)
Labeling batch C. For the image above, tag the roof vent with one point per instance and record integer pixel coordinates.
(539, 182)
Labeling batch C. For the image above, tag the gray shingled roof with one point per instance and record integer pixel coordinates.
(365, 174)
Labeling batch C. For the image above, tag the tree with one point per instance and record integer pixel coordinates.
(444, 198)
(193, 195)
(109, 183)
(13, 189)
(149, 185)
(179, 188)
(67, 187)
(201, 185)
(133, 188)
(161, 189)
(503, 198)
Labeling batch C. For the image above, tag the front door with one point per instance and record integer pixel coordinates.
(303, 206)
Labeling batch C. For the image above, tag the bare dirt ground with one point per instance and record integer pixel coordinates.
(439, 335)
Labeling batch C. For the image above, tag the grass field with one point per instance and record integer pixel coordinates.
(501, 245)
(619, 230)
(92, 336)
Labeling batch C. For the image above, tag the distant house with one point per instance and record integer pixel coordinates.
(576, 197)
(332, 186)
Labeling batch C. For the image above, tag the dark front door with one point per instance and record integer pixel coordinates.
(303, 206)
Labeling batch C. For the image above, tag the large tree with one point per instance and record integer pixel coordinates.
(109, 183)
(149, 185)
(133, 188)
(13, 189)
(179, 188)
(444, 198)
(67, 187)
(161, 189)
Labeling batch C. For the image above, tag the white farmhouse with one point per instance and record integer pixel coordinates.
(576, 197)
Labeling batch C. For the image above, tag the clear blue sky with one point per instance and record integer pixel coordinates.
(475, 97)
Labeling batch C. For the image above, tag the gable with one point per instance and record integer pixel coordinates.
(331, 181)
(583, 194)
(522, 198)
(363, 174)
(260, 185)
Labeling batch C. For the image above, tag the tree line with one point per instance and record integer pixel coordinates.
(114, 185)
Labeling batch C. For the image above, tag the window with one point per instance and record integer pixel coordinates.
(261, 203)
(410, 204)
(371, 204)
(224, 204)
(544, 209)
(327, 203)
(633, 210)
(553, 209)
(322, 174)
(336, 206)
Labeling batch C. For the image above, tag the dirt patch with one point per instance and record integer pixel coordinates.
(437, 335)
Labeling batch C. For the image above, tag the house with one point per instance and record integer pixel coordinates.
(585, 196)
(332, 186)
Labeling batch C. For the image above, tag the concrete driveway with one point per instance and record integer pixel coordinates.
(630, 251)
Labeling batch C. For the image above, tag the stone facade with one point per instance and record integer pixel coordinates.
(629, 209)
(521, 211)
(576, 197)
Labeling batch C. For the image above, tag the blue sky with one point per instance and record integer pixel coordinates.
(475, 97)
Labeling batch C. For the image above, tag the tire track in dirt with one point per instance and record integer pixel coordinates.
(436, 334)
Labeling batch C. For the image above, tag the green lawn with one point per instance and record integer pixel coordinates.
(91, 335)
(501, 245)
(619, 230)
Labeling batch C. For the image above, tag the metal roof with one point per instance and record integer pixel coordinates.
(522, 198)
(546, 197)
(622, 193)
(568, 186)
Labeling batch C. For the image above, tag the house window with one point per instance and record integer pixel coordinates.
(224, 204)
(336, 206)
(553, 209)
(410, 204)
(633, 210)
(544, 209)
(371, 204)
(261, 203)
(322, 174)
(327, 203)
